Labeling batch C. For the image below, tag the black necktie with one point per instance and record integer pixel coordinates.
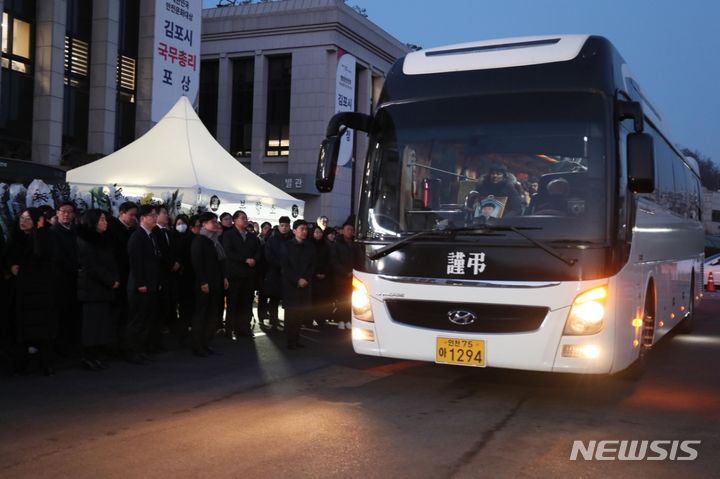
(154, 243)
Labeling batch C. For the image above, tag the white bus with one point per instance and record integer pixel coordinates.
(522, 207)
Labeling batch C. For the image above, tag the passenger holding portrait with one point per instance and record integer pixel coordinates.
(497, 187)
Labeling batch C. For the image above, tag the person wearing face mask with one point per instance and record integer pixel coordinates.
(29, 254)
(183, 237)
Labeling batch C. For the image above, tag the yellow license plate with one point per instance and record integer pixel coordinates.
(463, 352)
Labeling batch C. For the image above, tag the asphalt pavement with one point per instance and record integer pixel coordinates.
(260, 410)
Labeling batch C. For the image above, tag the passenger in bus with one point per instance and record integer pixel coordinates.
(554, 200)
(498, 183)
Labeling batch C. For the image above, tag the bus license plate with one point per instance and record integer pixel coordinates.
(463, 352)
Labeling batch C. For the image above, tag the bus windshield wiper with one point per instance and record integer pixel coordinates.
(386, 250)
(538, 243)
(482, 229)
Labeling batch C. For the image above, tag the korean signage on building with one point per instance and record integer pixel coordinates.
(293, 184)
(176, 53)
(345, 101)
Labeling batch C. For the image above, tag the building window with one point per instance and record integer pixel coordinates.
(242, 107)
(277, 133)
(209, 94)
(127, 73)
(76, 102)
(716, 216)
(16, 44)
(17, 89)
(77, 62)
(127, 68)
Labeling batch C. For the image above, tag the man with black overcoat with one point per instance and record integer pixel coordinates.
(298, 268)
(209, 263)
(167, 298)
(341, 256)
(65, 273)
(274, 250)
(243, 254)
(121, 228)
(144, 284)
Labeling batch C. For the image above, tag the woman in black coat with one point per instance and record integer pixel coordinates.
(29, 254)
(98, 279)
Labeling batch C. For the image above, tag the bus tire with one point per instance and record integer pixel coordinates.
(636, 370)
(687, 324)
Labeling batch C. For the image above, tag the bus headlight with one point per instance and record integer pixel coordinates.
(587, 313)
(361, 301)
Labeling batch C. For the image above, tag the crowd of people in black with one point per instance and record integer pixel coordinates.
(99, 287)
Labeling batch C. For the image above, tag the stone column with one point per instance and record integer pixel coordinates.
(146, 41)
(259, 113)
(103, 76)
(49, 82)
(224, 106)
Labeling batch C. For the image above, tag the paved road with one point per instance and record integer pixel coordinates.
(261, 411)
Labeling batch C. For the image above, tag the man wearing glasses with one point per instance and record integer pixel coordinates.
(65, 267)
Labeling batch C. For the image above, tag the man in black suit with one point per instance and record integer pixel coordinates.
(65, 272)
(208, 260)
(243, 254)
(167, 298)
(121, 228)
(144, 283)
(298, 269)
(274, 250)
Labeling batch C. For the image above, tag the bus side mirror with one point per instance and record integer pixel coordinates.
(327, 163)
(640, 163)
(330, 146)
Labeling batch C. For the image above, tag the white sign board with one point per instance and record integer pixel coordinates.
(176, 54)
(345, 101)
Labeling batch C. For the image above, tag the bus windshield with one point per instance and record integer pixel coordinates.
(524, 160)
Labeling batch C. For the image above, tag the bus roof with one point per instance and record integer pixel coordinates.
(499, 53)
(516, 55)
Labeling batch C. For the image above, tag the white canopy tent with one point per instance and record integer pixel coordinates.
(178, 153)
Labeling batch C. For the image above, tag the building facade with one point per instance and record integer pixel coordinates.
(268, 88)
(69, 78)
(76, 83)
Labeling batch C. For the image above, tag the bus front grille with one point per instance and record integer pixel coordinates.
(466, 317)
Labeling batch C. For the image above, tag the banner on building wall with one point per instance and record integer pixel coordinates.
(345, 101)
(176, 54)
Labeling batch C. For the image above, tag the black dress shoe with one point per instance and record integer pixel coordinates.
(201, 353)
(213, 351)
(134, 359)
(292, 346)
(146, 358)
(101, 364)
(49, 371)
(90, 365)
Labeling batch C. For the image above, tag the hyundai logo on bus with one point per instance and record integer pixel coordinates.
(461, 318)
